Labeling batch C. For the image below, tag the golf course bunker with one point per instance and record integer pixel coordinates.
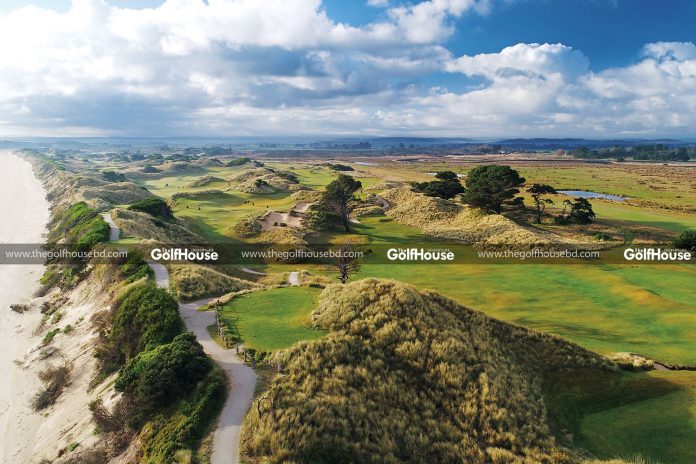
(274, 220)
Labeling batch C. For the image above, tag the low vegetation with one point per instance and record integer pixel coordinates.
(145, 316)
(155, 207)
(54, 379)
(686, 240)
(193, 281)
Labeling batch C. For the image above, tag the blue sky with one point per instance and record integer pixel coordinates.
(475, 68)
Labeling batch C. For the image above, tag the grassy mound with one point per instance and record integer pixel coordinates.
(205, 180)
(451, 220)
(117, 193)
(408, 376)
(192, 281)
(306, 196)
(144, 226)
(263, 180)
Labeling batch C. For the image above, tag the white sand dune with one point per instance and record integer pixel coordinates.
(25, 212)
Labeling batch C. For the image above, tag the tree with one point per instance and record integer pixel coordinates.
(346, 261)
(538, 191)
(338, 195)
(580, 212)
(488, 187)
(686, 240)
(446, 186)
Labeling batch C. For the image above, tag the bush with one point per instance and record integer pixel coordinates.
(154, 207)
(112, 176)
(159, 377)
(79, 225)
(48, 338)
(183, 429)
(238, 162)
(54, 379)
(146, 317)
(135, 267)
(686, 240)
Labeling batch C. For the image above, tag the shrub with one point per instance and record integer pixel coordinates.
(54, 379)
(79, 225)
(686, 240)
(159, 377)
(48, 338)
(146, 316)
(154, 207)
(135, 267)
(183, 429)
(238, 162)
(112, 176)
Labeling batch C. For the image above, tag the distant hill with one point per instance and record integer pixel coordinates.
(408, 376)
(556, 144)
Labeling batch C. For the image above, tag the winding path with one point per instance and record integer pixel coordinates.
(241, 378)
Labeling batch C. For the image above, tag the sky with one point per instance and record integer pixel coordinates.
(460, 68)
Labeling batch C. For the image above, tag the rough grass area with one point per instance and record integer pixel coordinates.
(447, 219)
(144, 226)
(651, 414)
(273, 319)
(193, 281)
(408, 376)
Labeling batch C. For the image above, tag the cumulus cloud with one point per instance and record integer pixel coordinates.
(233, 67)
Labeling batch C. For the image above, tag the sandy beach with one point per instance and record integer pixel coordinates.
(24, 211)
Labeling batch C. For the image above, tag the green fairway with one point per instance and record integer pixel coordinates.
(273, 319)
(651, 414)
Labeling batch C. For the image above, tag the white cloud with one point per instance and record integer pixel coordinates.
(232, 67)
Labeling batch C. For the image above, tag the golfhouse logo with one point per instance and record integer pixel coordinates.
(183, 254)
(419, 254)
(656, 254)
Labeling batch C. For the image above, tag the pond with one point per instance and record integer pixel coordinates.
(587, 194)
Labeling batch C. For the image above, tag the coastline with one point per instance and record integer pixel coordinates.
(25, 210)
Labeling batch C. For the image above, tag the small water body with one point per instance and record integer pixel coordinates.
(364, 163)
(588, 194)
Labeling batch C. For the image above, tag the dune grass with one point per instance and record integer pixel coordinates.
(273, 319)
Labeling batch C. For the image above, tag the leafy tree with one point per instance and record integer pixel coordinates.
(538, 191)
(337, 197)
(580, 212)
(686, 240)
(446, 186)
(346, 261)
(154, 207)
(488, 187)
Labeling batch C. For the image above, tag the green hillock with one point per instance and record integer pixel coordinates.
(410, 376)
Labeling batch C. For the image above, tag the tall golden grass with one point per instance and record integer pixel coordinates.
(409, 376)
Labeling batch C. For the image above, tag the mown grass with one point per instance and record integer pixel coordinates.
(621, 414)
(273, 319)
